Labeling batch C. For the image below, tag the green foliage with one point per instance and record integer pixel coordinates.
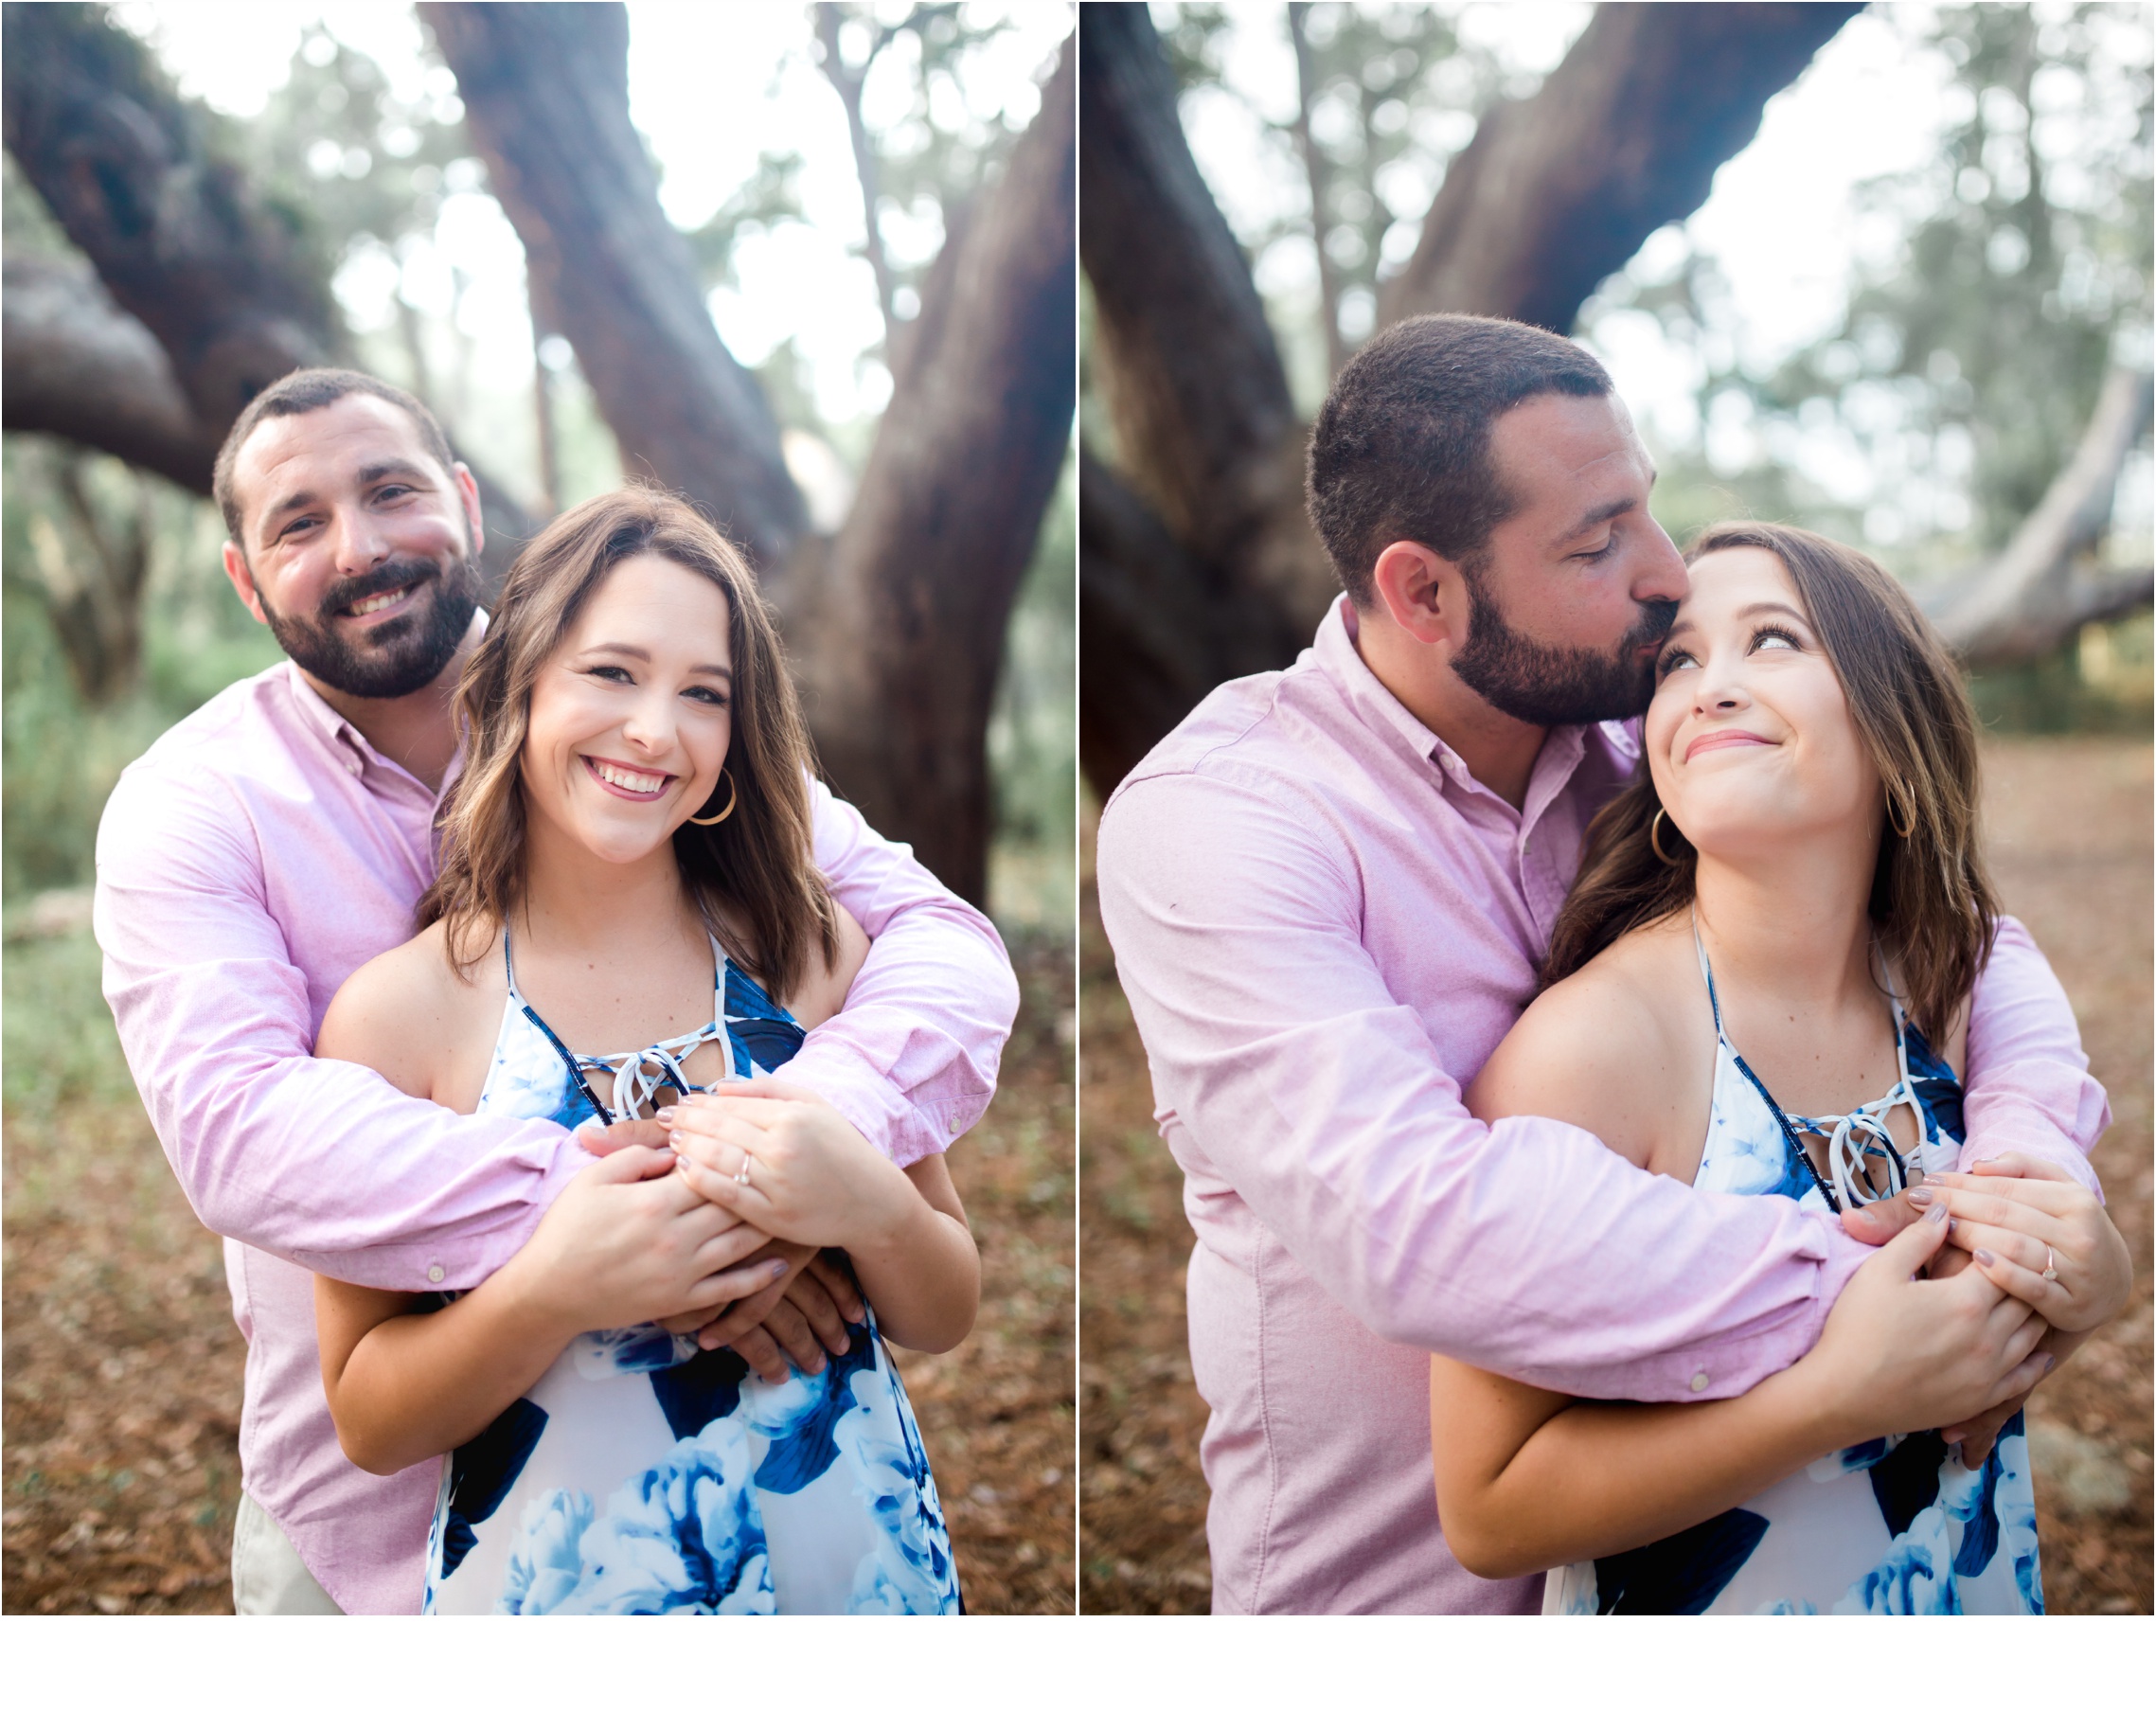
(59, 759)
(1967, 362)
(57, 1038)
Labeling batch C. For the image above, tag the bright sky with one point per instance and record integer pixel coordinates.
(710, 87)
(1780, 219)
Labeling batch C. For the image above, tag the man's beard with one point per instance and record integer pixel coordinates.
(1544, 686)
(395, 658)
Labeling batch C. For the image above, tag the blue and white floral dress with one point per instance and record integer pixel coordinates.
(643, 1475)
(1893, 1527)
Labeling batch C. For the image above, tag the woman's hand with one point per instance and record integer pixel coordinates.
(627, 1242)
(787, 1161)
(2011, 1210)
(1904, 1354)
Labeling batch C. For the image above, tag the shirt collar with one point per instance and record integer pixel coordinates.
(340, 734)
(1380, 712)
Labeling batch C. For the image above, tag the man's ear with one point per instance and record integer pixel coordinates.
(1421, 591)
(467, 491)
(242, 582)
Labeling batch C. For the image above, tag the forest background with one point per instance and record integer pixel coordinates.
(1899, 316)
(820, 161)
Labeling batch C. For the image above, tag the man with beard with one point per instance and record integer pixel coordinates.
(278, 838)
(1329, 890)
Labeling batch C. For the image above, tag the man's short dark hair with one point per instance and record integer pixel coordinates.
(300, 393)
(1400, 451)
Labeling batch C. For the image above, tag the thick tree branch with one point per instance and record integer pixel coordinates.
(176, 232)
(78, 367)
(1204, 426)
(2033, 596)
(1559, 190)
(185, 248)
(546, 91)
(901, 639)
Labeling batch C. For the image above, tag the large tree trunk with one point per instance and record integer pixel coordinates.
(546, 91)
(1206, 437)
(895, 626)
(901, 639)
(1223, 576)
(225, 284)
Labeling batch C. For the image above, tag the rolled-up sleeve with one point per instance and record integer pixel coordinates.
(1527, 1248)
(320, 1162)
(912, 1059)
(2029, 1090)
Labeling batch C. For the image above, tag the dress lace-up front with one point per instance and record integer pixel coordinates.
(642, 1475)
(1896, 1525)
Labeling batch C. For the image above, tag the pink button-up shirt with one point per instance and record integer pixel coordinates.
(251, 860)
(1324, 925)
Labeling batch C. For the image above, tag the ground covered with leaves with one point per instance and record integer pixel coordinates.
(2068, 825)
(123, 1367)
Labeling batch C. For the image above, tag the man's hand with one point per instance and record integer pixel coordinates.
(798, 1315)
(1976, 1436)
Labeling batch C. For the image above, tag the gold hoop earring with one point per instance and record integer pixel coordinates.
(1654, 838)
(732, 796)
(1893, 802)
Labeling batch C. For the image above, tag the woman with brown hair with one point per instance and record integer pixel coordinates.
(1793, 872)
(627, 914)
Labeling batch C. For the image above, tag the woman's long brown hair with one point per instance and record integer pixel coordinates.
(1931, 901)
(752, 876)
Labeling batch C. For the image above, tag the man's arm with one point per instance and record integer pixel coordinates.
(2029, 1090)
(321, 1161)
(1527, 1248)
(911, 1061)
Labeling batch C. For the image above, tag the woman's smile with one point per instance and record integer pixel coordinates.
(616, 778)
(1726, 740)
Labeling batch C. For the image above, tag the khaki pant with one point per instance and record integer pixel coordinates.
(268, 1578)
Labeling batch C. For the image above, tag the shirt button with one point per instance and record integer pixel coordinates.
(955, 1126)
(1699, 1380)
(435, 1275)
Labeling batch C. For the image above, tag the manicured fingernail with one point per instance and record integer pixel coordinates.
(1936, 1214)
(776, 1269)
(1921, 1197)
(1985, 1257)
(2049, 1363)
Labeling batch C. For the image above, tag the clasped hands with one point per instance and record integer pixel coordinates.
(778, 1300)
(2035, 1235)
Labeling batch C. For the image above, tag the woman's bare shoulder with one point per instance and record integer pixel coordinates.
(826, 983)
(406, 1012)
(1612, 1048)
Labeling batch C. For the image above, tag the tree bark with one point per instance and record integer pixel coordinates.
(1558, 191)
(900, 641)
(73, 363)
(221, 281)
(546, 91)
(1205, 431)
(178, 234)
(2034, 595)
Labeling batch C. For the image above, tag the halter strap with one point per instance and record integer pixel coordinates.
(1854, 1139)
(641, 1074)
